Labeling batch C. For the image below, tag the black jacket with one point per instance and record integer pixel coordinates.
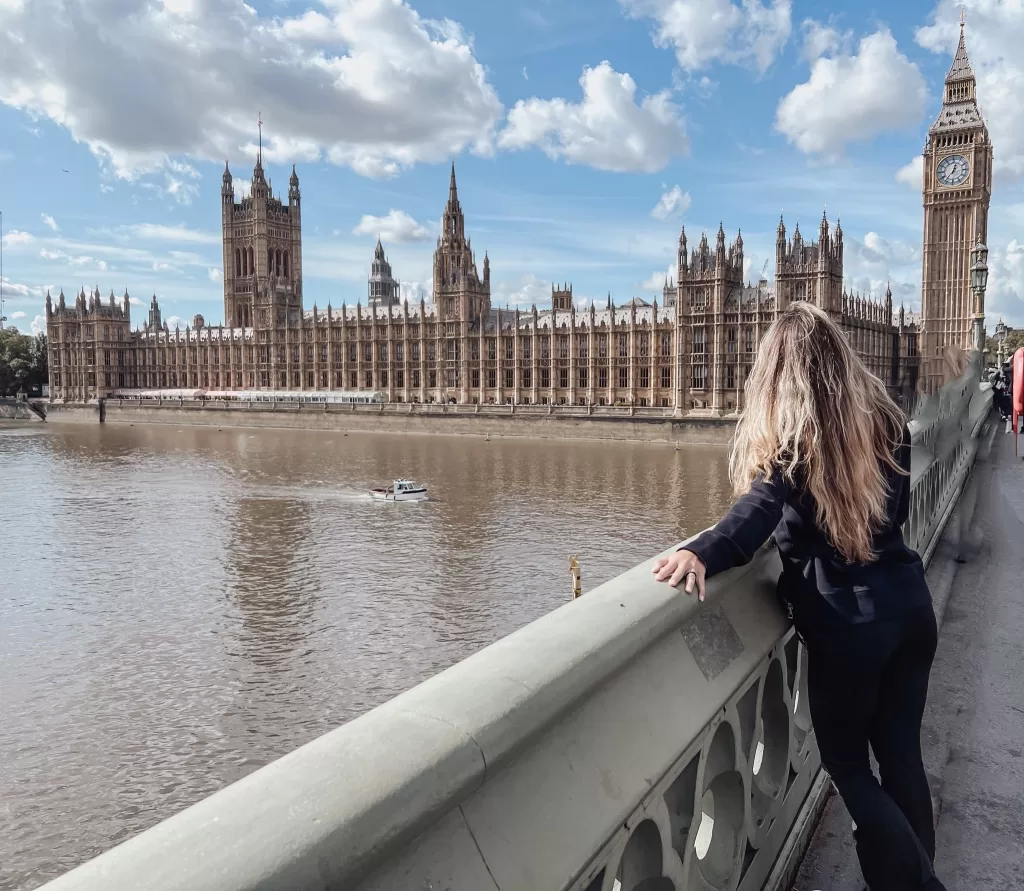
(817, 582)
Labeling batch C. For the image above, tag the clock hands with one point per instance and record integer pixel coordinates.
(952, 170)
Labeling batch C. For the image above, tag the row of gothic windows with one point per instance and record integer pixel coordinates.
(245, 263)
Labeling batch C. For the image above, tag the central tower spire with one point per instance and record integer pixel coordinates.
(459, 292)
(258, 179)
(454, 223)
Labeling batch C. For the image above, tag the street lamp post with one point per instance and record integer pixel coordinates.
(979, 281)
(1000, 338)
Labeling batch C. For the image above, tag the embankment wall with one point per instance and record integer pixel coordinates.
(419, 419)
(12, 410)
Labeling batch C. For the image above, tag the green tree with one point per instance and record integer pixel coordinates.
(23, 363)
(1014, 341)
(40, 372)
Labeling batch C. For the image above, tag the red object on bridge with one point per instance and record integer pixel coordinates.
(1018, 394)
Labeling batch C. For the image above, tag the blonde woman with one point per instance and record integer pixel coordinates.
(822, 459)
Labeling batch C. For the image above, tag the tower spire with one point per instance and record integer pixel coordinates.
(459, 292)
(961, 67)
(453, 190)
(453, 222)
(259, 183)
(960, 92)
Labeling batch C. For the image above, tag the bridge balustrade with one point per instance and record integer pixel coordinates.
(633, 739)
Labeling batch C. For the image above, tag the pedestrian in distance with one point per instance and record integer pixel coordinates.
(1001, 394)
(821, 457)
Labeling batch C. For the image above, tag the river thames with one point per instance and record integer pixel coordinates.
(180, 607)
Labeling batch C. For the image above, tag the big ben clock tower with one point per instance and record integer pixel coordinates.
(957, 192)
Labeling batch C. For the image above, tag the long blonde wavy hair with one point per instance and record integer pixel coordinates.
(812, 406)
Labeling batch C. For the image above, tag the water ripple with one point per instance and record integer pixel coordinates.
(188, 605)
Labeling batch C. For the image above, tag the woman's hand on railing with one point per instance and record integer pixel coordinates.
(680, 566)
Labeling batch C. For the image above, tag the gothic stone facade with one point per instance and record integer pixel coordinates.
(691, 354)
(719, 320)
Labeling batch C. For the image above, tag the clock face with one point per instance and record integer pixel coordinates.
(953, 170)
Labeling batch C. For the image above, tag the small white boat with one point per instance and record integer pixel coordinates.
(401, 490)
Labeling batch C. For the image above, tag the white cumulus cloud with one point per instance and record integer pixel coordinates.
(657, 280)
(1005, 295)
(395, 227)
(369, 84)
(875, 248)
(673, 202)
(20, 289)
(747, 32)
(77, 261)
(17, 238)
(853, 97)
(823, 39)
(523, 292)
(38, 325)
(215, 275)
(17, 315)
(912, 174)
(608, 129)
(180, 182)
(50, 221)
(874, 262)
(414, 292)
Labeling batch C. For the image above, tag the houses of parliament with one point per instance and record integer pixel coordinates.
(690, 353)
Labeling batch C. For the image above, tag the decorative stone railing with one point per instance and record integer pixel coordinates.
(633, 739)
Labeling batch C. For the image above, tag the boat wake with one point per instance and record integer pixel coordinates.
(302, 493)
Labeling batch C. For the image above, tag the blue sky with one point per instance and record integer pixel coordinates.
(584, 132)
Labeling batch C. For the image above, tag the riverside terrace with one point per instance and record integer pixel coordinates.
(633, 739)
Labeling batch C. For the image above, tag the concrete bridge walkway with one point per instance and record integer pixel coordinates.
(974, 727)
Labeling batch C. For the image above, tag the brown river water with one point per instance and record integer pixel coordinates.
(179, 607)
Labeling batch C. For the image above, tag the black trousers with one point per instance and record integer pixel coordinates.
(867, 685)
